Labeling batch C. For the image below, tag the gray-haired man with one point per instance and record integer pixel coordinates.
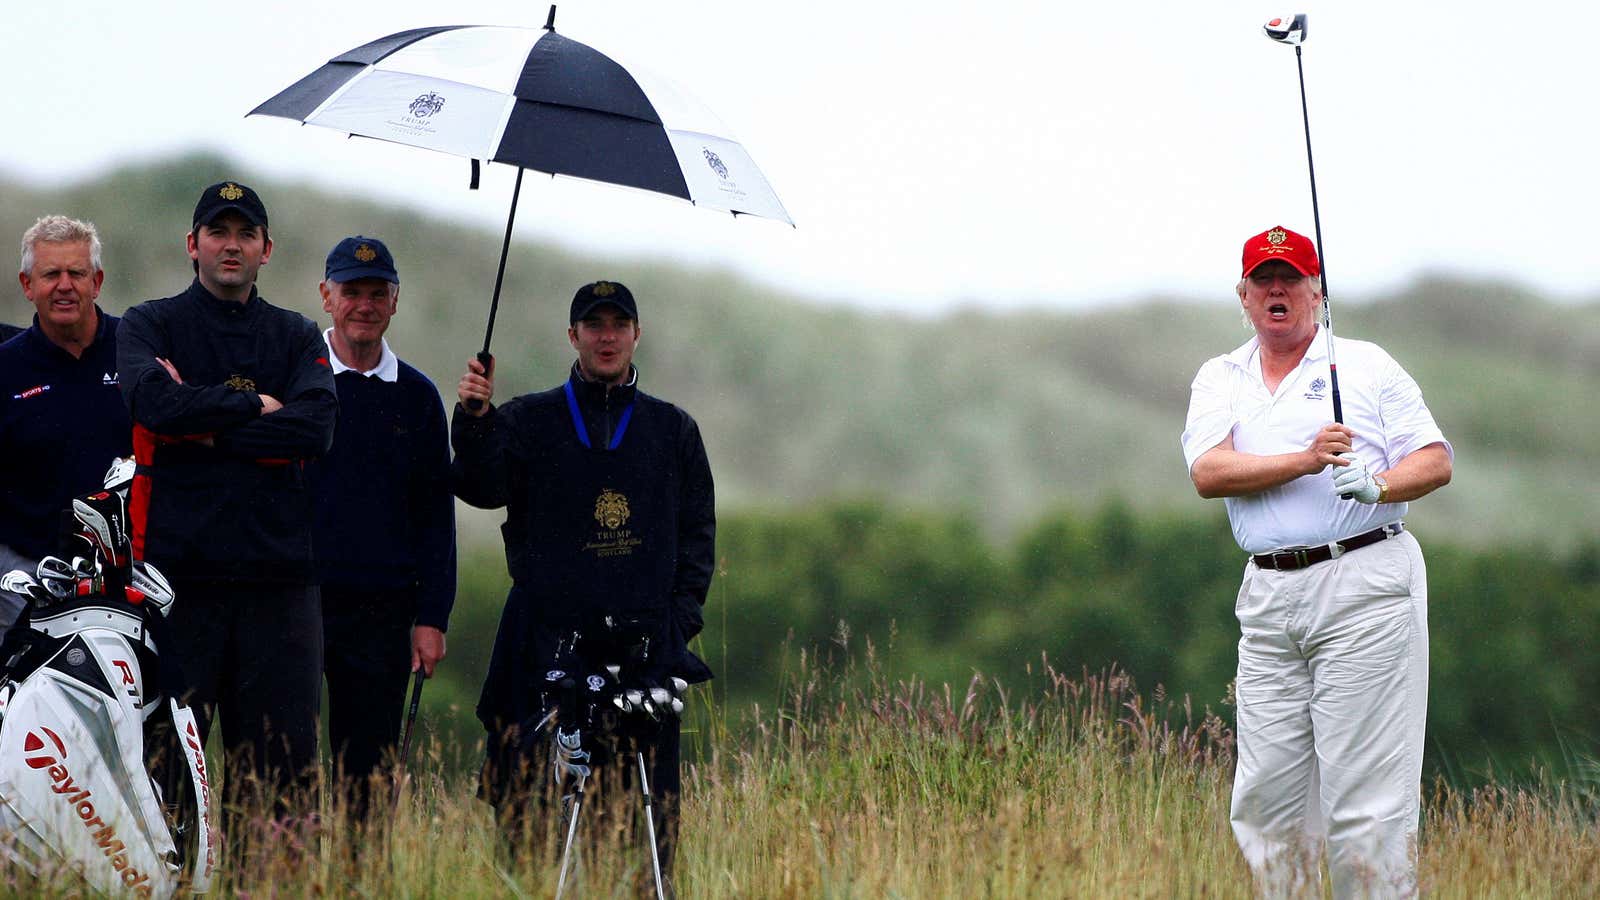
(62, 420)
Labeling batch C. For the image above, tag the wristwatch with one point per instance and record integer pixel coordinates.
(1383, 489)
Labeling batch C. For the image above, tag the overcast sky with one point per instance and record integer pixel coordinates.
(931, 153)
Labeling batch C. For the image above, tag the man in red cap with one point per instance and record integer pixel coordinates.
(1333, 659)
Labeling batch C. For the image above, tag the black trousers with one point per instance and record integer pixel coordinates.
(517, 781)
(251, 653)
(366, 657)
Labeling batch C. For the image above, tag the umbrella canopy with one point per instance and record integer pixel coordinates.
(534, 99)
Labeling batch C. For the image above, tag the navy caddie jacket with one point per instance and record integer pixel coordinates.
(220, 490)
(609, 511)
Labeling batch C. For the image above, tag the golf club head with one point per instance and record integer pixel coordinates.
(22, 584)
(148, 580)
(120, 475)
(1287, 29)
(679, 686)
(17, 582)
(102, 518)
(58, 577)
(629, 700)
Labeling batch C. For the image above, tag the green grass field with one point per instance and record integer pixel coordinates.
(856, 787)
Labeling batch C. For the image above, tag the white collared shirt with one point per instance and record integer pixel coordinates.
(387, 369)
(1382, 404)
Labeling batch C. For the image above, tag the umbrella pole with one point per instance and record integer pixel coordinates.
(484, 357)
(500, 276)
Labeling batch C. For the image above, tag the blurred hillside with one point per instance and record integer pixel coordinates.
(1001, 417)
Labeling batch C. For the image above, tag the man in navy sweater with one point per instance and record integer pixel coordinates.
(61, 418)
(385, 518)
(230, 396)
(609, 519)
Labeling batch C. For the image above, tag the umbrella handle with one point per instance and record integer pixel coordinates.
(485, 359)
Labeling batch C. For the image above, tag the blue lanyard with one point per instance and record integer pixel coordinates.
(583, 431)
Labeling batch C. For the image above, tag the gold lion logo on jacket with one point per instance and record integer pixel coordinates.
(611, 509)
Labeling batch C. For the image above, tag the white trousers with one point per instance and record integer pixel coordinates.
(1332, 695)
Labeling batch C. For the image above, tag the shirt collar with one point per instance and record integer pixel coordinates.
(1245, 352)
(231, 307)
(633, 377)
(41, 343)
(387, 369)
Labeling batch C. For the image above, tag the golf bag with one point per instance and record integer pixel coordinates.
(603, 691)
(82, 686)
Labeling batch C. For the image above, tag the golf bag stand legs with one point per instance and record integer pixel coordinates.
(650, 825)
(571, 760)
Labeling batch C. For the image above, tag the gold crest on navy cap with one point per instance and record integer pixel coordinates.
(366, 253)
(230, 191)
(604, 289)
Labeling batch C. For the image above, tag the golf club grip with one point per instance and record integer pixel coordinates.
(487, 360)
(1338, 407)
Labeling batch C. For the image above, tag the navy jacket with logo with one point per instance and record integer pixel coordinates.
(589, 530)
(238, 508)
(62, 423)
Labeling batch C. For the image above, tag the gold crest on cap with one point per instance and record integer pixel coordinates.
(1277, 236)
(230, 191)
(604, 289)
(365, 253)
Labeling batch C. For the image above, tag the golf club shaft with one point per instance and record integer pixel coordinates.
(405, 743)
(1322, 257)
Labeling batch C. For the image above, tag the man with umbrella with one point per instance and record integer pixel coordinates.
(1333, 661)
(610, 517)
(230, 396)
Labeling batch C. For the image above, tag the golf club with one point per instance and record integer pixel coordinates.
(405, 743)
(1292, 30)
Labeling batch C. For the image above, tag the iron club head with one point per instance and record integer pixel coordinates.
(1287, 29)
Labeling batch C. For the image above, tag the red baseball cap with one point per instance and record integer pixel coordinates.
(1279, 242)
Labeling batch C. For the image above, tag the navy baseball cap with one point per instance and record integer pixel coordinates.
(598, 294)
(223, 196)
(360, 257)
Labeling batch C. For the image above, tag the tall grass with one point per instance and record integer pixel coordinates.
(857, 786)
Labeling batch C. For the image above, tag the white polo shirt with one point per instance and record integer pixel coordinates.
(387, 369)
(1382, 404)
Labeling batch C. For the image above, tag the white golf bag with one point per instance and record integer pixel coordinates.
(81, 684)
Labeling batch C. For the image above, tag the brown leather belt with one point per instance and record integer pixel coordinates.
(1301, 557)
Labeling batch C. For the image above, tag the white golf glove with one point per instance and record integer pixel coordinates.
(1356, 481)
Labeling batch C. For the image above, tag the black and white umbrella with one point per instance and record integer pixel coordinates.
(534, 99)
